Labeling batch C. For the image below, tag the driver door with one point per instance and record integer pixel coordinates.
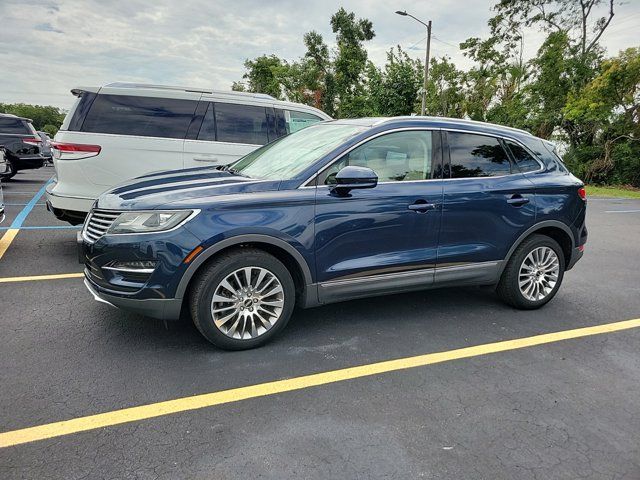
(381, 239)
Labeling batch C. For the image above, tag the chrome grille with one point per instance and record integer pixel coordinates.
(98, 223)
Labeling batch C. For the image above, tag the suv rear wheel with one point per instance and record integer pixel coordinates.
(12, 171)
(242, 299)
(534, 273)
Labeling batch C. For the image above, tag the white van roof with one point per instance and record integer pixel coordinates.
(196, 93)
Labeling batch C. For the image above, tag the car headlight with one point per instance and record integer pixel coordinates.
(144, 222)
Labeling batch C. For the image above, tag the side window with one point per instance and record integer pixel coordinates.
(238, 123)
(14, 126)
(395, 157)
(143, 116)
(290, 121)
(476, 156)
(523, 159)
(208, 127)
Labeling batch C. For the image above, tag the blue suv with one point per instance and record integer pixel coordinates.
(340, 210)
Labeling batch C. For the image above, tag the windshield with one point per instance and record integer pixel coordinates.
(287, 157)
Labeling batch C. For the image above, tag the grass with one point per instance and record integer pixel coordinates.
(613, 192)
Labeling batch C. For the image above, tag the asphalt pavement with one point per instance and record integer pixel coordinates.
(566, 409)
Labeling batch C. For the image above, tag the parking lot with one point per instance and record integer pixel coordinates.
(560, 406)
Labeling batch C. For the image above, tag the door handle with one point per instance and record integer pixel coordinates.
(422, 207)
(517, 200)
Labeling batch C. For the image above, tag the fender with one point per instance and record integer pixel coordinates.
(238, 240)
(533, 229)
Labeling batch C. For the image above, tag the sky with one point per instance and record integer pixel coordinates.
(48, 47)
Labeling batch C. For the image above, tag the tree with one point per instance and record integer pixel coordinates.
(394, 90)
(608, 108)
(45, 118)
(350, 61)
(445, 95)
(263, 75)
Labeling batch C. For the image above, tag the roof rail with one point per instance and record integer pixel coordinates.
(461, 121)
(187, 89)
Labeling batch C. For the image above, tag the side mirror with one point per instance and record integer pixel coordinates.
(352, 177)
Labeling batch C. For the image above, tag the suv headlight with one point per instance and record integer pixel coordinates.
(152, 221)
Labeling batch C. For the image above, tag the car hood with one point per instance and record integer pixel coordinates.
(162, 188)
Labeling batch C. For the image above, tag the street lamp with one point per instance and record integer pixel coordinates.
(426, 63)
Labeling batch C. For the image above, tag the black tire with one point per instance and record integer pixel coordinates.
(12, 171)
(509, 289)
(214, 272)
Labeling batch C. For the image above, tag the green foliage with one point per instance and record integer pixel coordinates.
(45, 118)
(394, 90)
(568, 91)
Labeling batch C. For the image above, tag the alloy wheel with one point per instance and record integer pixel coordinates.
(539, 273)
(247, 303)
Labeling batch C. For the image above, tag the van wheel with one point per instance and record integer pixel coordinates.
(242, 299)
(534, 273)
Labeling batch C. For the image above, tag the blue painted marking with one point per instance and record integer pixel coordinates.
(48, 227)
(20, 204)
(22, 216)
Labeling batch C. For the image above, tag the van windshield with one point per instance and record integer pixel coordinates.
(287, 157)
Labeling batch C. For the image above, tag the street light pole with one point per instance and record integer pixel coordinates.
(426, 63)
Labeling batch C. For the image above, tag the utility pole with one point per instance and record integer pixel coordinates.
(426, 63)
(426, 70)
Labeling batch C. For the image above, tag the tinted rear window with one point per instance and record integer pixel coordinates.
(14, 126)
(477, 156)
(237, 123)
(524, 160)
(143, 116)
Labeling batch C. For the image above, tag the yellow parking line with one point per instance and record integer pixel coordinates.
(6, 240)
(57, 276)
(126, 415)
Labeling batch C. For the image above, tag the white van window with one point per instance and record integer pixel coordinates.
(298, 120)
(237, 123)
(143, 116)
(208, 127)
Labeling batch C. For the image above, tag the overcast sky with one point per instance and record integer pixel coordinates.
(49, 46)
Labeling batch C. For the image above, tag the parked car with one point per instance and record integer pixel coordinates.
(4, 164)
(21, 143)
(340, 210)
(46, 147)
(120, 131)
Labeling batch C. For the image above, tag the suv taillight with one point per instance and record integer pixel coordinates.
(582, 193)
(32, 141)
(74, 151)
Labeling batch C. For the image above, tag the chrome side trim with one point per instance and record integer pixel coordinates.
(305, 184)
(131, 270)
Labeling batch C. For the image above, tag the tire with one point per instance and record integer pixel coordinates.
(538, 287)
(267, 317)
(12, 171)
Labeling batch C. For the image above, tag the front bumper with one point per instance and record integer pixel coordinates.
(154, 293)
(163, 309)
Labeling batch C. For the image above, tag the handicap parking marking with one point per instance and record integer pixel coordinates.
(206, 400)
(14, 228)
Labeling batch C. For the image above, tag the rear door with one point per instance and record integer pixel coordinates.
(488, 204)
(227, 132)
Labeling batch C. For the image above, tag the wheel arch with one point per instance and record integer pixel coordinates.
(555, 229)
(283, 251)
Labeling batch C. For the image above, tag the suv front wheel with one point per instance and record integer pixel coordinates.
(534, 273)
(242, 299)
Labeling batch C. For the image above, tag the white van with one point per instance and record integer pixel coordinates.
(120, 131)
